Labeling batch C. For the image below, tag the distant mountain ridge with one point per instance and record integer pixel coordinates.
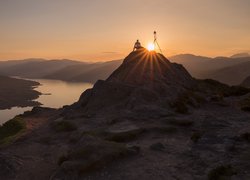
(85, 72)
(232, 75)
(240, 55)
(33, 68)
(66, 70)
(225, 69)
(201, 67)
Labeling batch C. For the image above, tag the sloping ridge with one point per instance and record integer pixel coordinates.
(143, 79)
(232, 75)
(85, 72)
(246, 82)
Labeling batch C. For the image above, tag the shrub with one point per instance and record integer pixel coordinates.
(199, 99)
(245, 104)
(196, 136)
(64, 126)
(162, 129)
(181, 122)
(62, 159)
(189, 98)
(210, 85)
(116, 136)
(224, 90)
(238, 91)
(92, 156)
(246, 136)
(124, 136)
(157, 147)
(216, 98)
(245, 108)
(180, 105)
(11, 128)
(45, 140)
(220, 172)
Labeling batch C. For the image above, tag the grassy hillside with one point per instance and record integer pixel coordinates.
(17, 92)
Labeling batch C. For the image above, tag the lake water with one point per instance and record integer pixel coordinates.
(61, 93)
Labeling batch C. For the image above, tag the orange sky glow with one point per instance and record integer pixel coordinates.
(99, 30)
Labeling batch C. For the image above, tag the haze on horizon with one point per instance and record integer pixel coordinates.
(102, 30)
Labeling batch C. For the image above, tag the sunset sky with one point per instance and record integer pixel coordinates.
(106, 29)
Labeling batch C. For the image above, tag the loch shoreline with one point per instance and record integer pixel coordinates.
(18, 93)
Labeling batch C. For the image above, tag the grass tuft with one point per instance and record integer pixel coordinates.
(181, 122)
(246, 136)
(11, 129)
(116, 136)
(221, 172)
(64, 126)
(196, 137)
(62, 159)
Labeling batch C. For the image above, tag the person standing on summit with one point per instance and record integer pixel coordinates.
(137, 45)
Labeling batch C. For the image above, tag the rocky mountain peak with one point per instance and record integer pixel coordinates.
(143, 67)
(145, 78)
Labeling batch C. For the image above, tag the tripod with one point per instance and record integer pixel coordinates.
(156, 42)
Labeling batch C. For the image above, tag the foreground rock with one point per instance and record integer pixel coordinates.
(141, 123)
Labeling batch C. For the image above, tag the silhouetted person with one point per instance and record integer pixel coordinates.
(137, 45)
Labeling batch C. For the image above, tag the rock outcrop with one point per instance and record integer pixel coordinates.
(246, 82)
(145, 78)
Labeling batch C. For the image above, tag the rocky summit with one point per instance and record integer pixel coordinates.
(149, 68)
(145, 78)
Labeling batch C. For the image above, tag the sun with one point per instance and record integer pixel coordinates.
(151, 47)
